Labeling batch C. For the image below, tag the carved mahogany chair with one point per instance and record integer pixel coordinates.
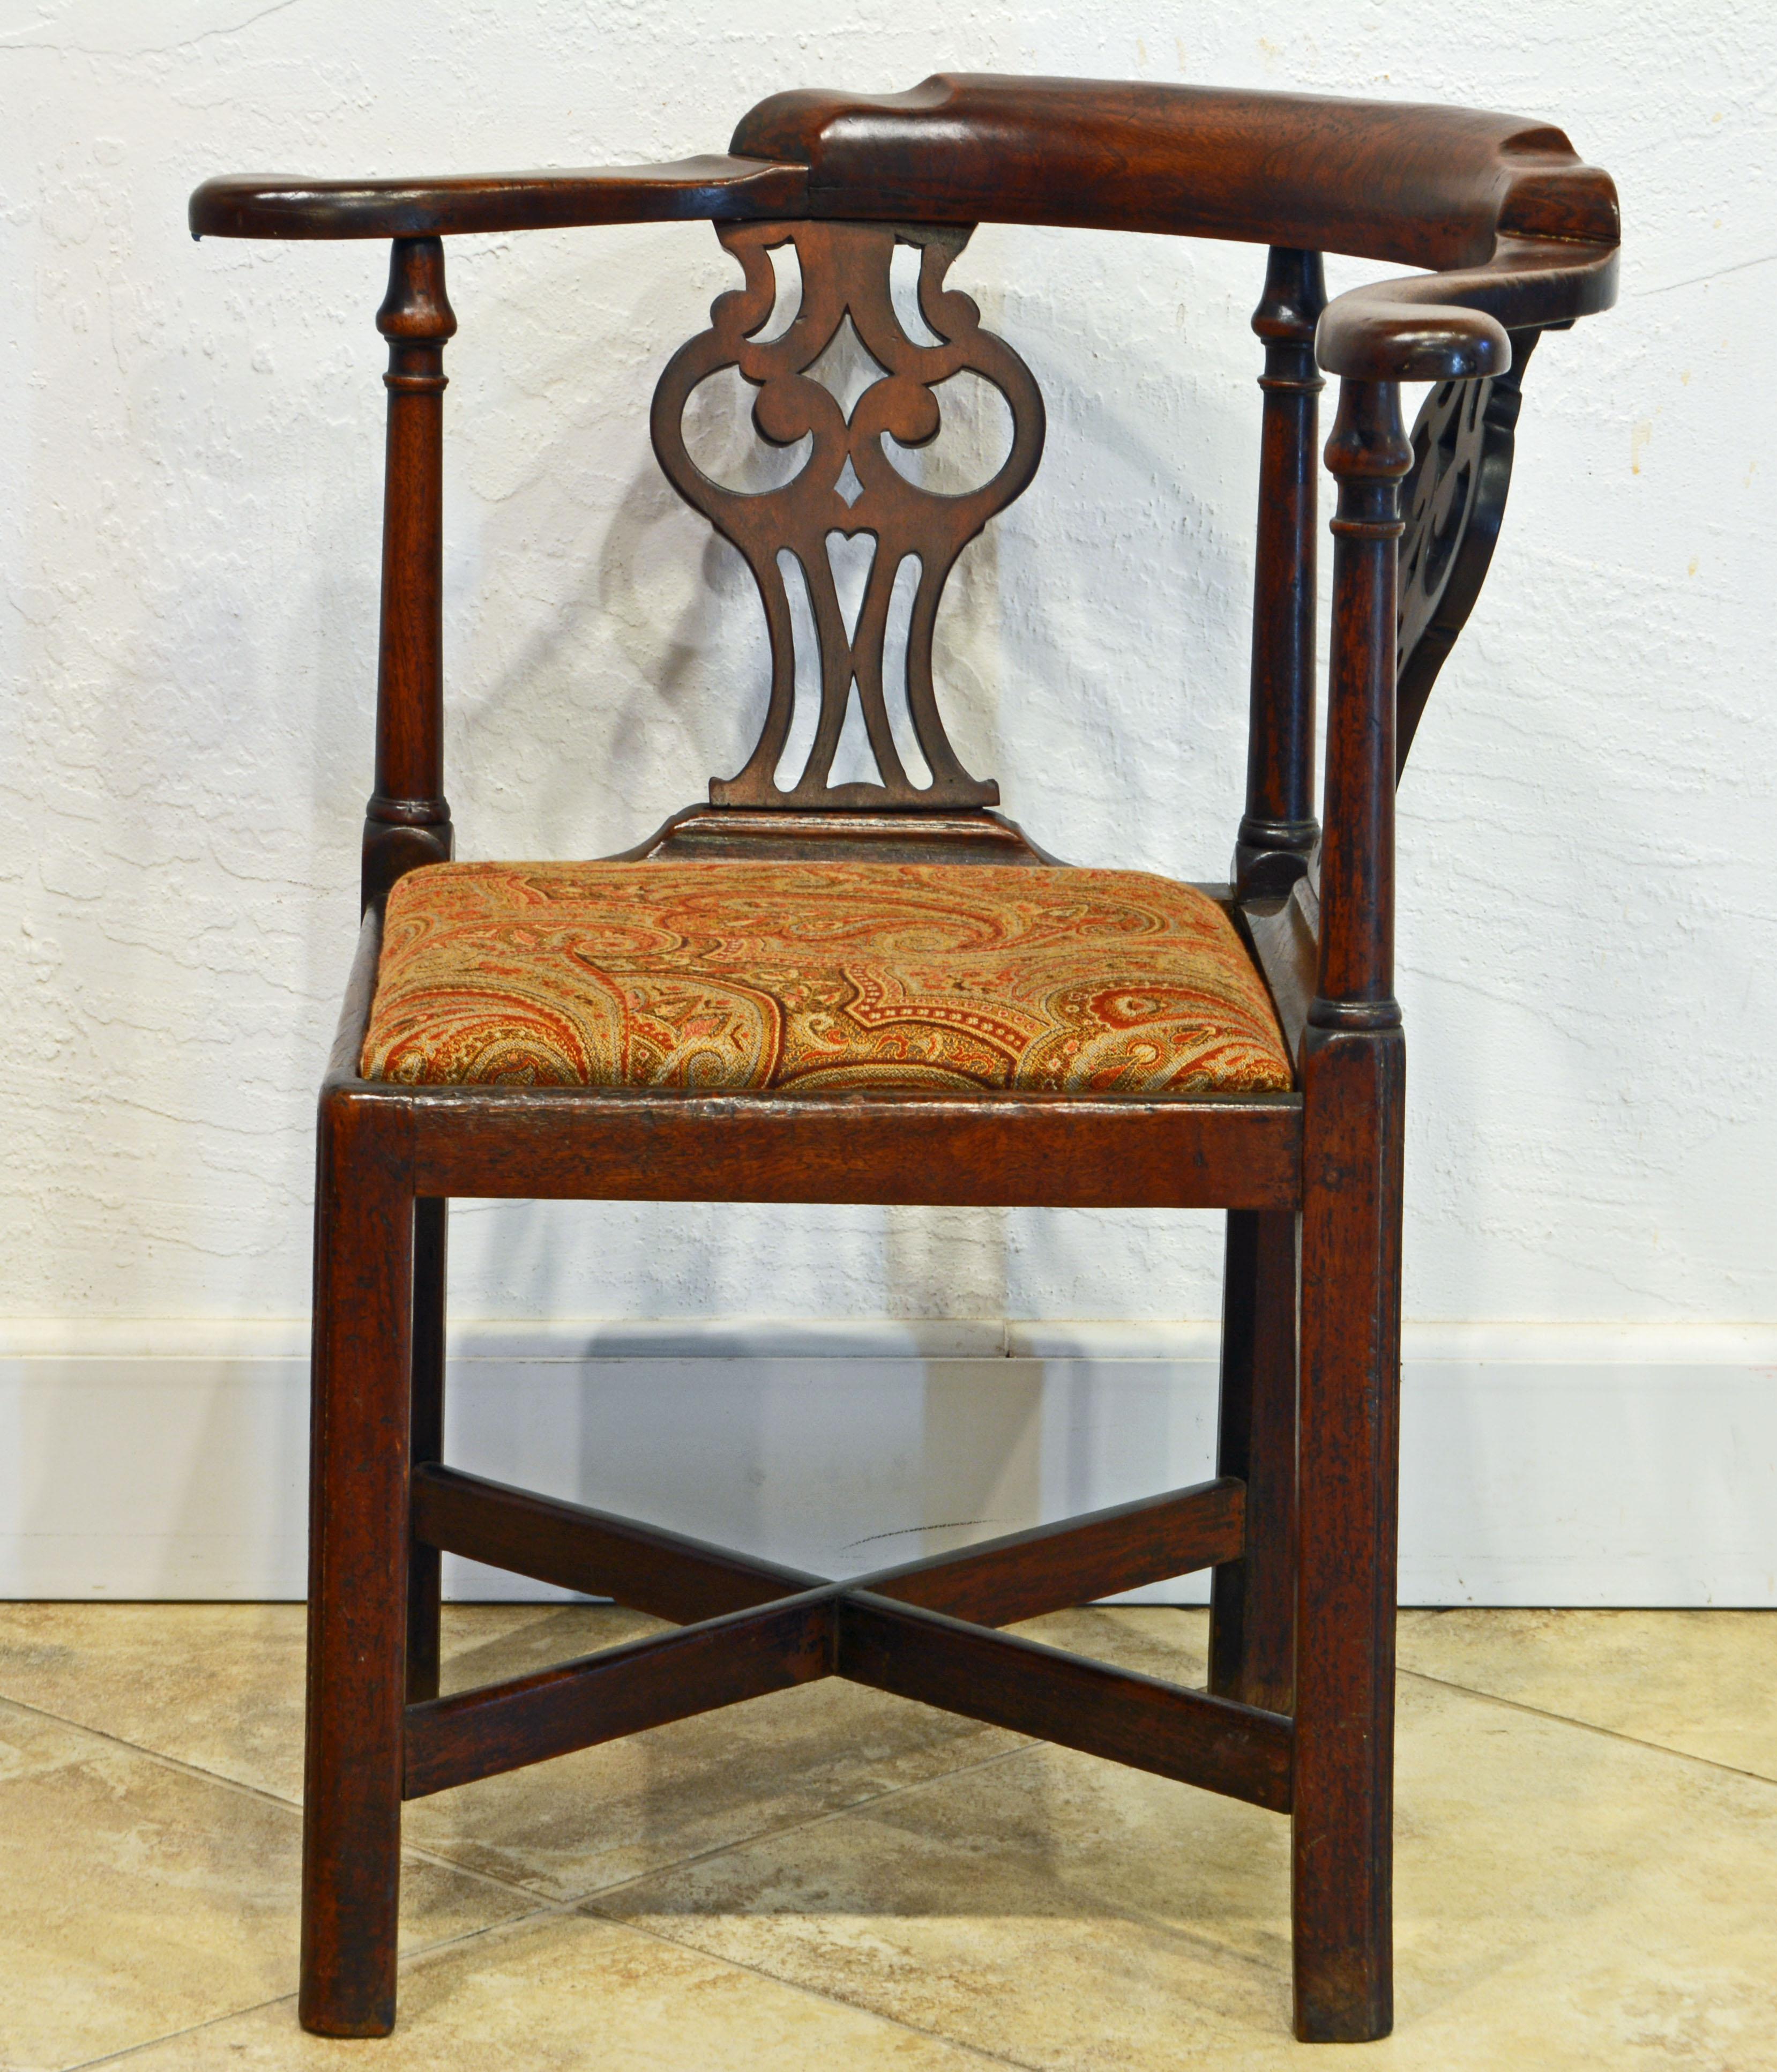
(814, 991)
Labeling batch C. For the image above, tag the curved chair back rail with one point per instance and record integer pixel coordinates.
(1420, 186)
(1519, 231)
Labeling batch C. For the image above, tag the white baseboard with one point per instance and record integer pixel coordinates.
(1542, 1464)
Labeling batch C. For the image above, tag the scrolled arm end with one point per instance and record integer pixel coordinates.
(1453, 327)
(1384, 340)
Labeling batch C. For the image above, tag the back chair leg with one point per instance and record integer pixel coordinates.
(358, 1542)
(424, 1563)
(1343, 1796)
(1252, 1620)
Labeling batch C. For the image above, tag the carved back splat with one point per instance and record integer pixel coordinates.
(1454, 500)
(845, 271)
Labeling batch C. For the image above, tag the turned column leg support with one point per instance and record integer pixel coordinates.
(358, 1548)
(1353, 1070)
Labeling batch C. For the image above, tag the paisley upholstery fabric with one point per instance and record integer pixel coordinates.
(727, 976)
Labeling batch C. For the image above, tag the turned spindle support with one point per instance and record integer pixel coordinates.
(1368, 454)
(1279, 830)
(407, 822)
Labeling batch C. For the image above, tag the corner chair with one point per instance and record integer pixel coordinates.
(812, 990)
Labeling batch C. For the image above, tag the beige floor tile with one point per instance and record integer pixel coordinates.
(574, 1995)
(568, 1827)
(136, 1898)
(1704, 1683)
(220, 1686)
(1566, 1899)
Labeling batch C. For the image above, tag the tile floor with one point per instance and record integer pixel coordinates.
(1587, 1871)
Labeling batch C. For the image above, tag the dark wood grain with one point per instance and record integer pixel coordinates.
(1522, 234)
(1285, 938)
(1520, 231)
(1348, 1471)
(1279, 830)
(642, 1566)
(1454, 499)
(289, 205)
(1369, 454)
(358, 1543)
(1252, 1619)
(1422, 186)
(1010, 1682)
(407, 822)
(854, 835)
(1452, 327)
(997, 1582)
(623, 1691)
(848, 486)
(425, 1422)
(996, 1150)
(1354, 1073)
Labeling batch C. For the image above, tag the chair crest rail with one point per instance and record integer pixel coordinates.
(1519, 231)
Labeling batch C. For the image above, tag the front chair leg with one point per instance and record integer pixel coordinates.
(1343, 1809)
(1252, 1620)
(357, 1547)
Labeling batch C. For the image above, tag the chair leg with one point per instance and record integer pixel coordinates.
(1252, 1619)
(358, 1543)
(1343, 1816)
(430, 1219)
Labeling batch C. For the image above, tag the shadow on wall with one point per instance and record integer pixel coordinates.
(650, 669)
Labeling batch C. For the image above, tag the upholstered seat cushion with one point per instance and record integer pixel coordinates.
(807, 975)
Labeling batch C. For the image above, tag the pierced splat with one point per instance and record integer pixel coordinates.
(1453, 500)
(848, 485)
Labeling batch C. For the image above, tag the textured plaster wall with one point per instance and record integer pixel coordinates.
(189, 451)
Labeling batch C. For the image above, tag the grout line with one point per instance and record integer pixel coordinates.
(1590, 1727)
(182, 1768)
(173, 2035)
(498, 1928)
(408, 1958)
(1155, 1923)
(537, 1900)
(156, 1755)
(594, 1894)
(829, 1999)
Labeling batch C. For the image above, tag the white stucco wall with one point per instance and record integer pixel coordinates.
(190, 453)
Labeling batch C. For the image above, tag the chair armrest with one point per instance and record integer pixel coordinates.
(1449, 326)
(286, 205)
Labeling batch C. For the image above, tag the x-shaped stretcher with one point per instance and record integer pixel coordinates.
(924, 1629)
